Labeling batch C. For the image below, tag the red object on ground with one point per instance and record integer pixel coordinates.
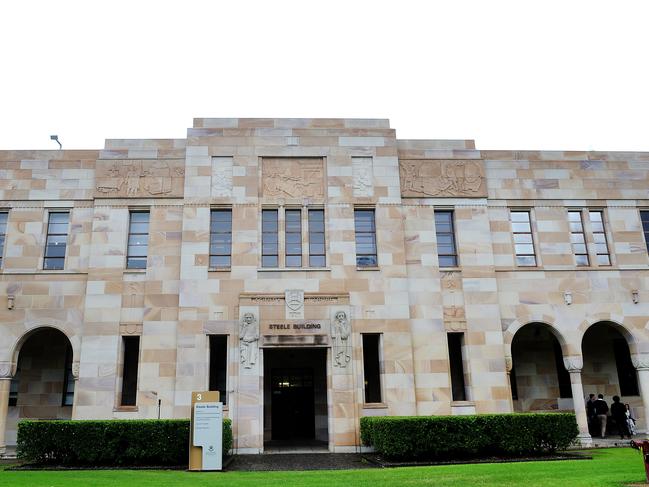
(643, 446)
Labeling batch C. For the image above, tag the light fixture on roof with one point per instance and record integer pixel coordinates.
(55, 138)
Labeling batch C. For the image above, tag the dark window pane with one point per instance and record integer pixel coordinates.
(55, 250)
(317, 261)
(136, 263)
(366, 261)
(131, 347)
(447, 261)
(219, 366)
(138, 240)
(59, 217)
(456, 362)
(219, 261)
(293, 261)
(54, 263)
(371, 368)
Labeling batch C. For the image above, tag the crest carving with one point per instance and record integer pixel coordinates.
(293, 178)
(424, 178)
(294, 303)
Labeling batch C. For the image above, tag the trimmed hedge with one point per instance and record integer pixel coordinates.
(475, 436)
(109, 442)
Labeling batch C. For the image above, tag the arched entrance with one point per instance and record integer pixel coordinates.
(43, 384)
(608, 368)
(539, 379)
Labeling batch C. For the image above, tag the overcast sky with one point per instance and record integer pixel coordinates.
(511, 75)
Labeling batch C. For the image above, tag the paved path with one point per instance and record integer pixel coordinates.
(298, 461)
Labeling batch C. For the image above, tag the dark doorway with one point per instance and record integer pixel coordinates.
(292, 404)
(295, 385)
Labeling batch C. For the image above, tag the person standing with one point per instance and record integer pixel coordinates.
(618, 411)
(630, 420)
(591, 415)
(601, 408)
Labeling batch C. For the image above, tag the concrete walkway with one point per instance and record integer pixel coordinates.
(298, 461)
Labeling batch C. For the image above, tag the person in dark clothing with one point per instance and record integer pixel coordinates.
(590, 414)
(601, 408)
(618, 412)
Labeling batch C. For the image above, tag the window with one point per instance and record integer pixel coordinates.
(13, 391)
(578, 238)
(131, 346)
(523, 241)
(317, 255)
(456, 362)
(269, 240)
(365, 238)
(57, 237)
(138, 240)
(293, 238)
(220, 239)
(219, 365)
(3, 233)
(372, 367)
(599, 237)
(445, 238)
(68, 380)
(644, 216)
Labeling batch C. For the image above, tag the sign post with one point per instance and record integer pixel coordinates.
(206, 432)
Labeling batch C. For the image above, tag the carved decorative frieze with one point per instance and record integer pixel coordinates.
(293, 178)
(362, 177)
(424, 178)
(221, 177)
(139, 178)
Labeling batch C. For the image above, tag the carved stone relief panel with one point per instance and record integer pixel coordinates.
(363, 177)
(221, 177)
(139, 178)
(423, 178)
(294, 302)
(293, 178)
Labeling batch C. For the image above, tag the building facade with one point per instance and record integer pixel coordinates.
(315, 271)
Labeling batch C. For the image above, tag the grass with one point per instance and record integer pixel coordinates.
(609, 467)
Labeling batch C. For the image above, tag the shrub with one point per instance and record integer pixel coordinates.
(109, 442)
(458, 437)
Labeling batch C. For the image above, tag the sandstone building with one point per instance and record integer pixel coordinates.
(316, 271)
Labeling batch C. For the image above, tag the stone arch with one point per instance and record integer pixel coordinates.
(516, 325)
(43, 324)
(616, 321)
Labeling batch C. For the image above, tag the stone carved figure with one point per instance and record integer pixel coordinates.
(293, 178)
(340, 332)
(434, 178)
(248, 339)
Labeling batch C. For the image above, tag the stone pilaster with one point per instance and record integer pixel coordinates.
(573, 365)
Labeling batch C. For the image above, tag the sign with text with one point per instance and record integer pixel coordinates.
(206, 448)
(295, 327)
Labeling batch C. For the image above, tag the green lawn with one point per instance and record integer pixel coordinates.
(609, 467)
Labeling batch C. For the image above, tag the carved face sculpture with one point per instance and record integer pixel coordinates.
(341, 317)
(248, 319)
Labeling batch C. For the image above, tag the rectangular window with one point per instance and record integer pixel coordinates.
(57, 237)
(68, 380)
(138, 240)
(317, 253)
(599, 237)
(13, 391)
(3, 233)
(131, 346)
(372, 367)
(644, 217)
(445, 238)
(269, 240)
(456, 362)
(293, 242)
(220, 239)
(523, 241)
(365, 230)
(219, 365)
(578, 238)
